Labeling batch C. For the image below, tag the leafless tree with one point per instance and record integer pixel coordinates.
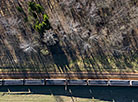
(28, 46)
(10, 25)
(49, 38)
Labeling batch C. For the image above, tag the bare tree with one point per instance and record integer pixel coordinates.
(10, 25)
(28, 46)
(50, 38)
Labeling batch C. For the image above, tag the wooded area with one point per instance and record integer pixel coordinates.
(85, 35)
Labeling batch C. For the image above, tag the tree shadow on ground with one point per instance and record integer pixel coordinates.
(59, 57)
(118, 94)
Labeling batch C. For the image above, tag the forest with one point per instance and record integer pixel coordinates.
(69, 35)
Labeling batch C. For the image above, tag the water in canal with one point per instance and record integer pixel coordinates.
(90, 93)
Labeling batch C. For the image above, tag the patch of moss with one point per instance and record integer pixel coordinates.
(44, 52)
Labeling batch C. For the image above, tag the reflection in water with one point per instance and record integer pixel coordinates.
(111, 94)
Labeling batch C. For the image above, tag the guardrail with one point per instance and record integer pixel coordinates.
(90, 82)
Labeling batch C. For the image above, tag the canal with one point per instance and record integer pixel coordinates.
(68, 94)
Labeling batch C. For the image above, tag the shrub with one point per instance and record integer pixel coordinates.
(35, 7)
(26, 19)
(45, 17)
(34, 15)
(20, 9)
(32, 6)
(39, 8)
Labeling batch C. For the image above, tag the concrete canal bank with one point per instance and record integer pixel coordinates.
(90, 82)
